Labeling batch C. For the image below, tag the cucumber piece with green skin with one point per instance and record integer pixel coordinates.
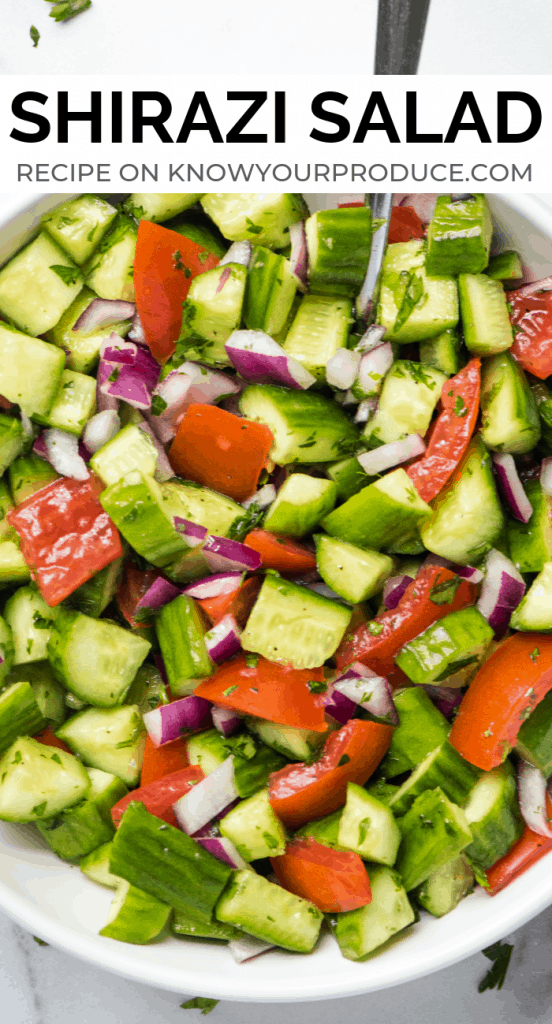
(543, 401)
(421, 729)
(135, 916)
(201, 926)
(487, 327)
(181, 637)
(508, 408)
(379, 514)
(111, 739)
(434, 831)
(196, 226)
(76, 831)
(443, 890)
(189, 566)
(360, 932)
(293, 625)
(505, 266)
(159, 206)
(409, 395)
(295, 744)
(442, 352)
(459, 236)
(493, 815)
(211, 312)
(216, 512)
(135, 504)
(49, 694)
(530, 544)
(38, 781)
(268, 912)
(130, 449)
(28, 474)
(36, 287)
(93, 596)
(73, 405)
(382, 791)
(414, 306)
(105, 791)
(467, 516)
(36, 391)
(445, 647)
(20, 714)
(356, 574)
(147, 689)
(301, 503)
(253, 761)
(367, 827)
(263, 218)
(109, 271)
(339, 244)
(407, 544)
(324, 830)
(534, 613)
(534, 739)
(7, 532)
(254, 829)
(165, 862)
(95, 865)
(30, 620)
(306, 427)
(320, 328)
(269, 291)
(12, 440)
(348, 476)
(95, 659)
(82, 348)
(443, 767)
(13, 567)
(79, 225)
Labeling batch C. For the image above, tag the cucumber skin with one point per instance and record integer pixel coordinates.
(201, 927)
(520, 432)
(360, 932)
(421, 728)
(63, 775)
(447, 770)
(534, 739)
(342, 243)
(76, 832)
(530, 544)
(459, 237)
(138, 919)
(135, 506)
(426, 847)
(442, 891)
(500, 828)
(501, 337)
(247, 901)
(20, 714)
(444, 647)
(182, 641)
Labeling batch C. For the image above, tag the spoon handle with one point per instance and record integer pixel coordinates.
(399, 36)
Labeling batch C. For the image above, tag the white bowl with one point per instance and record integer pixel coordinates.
(56, 902)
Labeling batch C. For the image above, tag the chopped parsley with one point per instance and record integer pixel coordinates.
(499, 953)
(253, 229)
(158, 405)
(375, 628)
(243, 525)
(443, 593)
(69, 275)
(317, 686)
(40, 622)
(35, 36)
(39, 942)
(200, 1003)
(534, 655)
(413, 296)
(460, 407)
(252, 660)
(68, 9)
(39, 809)
(230, 690)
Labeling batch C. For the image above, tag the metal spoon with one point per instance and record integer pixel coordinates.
(399, 36)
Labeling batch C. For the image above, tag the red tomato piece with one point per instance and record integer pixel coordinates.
(50, 739)
(134, 584)
(281, 553)
(531, 318)
(332, 880)
(404, 225)
(165, 265)
(239, 603)
(66, 537)
(529, 848)
(158, 797)
(303, 792)
(160, 761)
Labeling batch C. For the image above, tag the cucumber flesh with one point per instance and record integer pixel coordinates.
(487, 327)
(367, 827)
(412, 305)
(443, 890)
(534, 613)
(356, 574)
(112, 739)
(409, 395)
(301, 503)
(79, 225)
(268, 912)
(459, 236)
(36, 287)
(493, 815)
(38, 781)
(254, 829)
(264, 218)
(95, 865)
(446, 647)
(135, 916)
(319, 330)
(380, 514)
(360, 932)
(508, 408)
(20, 714)
(159, 206)
(530, 544)
(295, 744)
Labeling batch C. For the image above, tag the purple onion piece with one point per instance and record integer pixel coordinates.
(62, 450)
(163, 468)
(103, 313)
(225, 720)
(223, 849)
(222, 554)
(247, 947)
(156, 596)
(39, 448)
(207, 799)
(192, 533)
(502, 591)
(100, 429)
(341, 369)
(545, 285)
(260, 359)
(394, 590)
(512, 487)
(445, 698)
(468, 572)
(239, 252)
(128, 372)
(223, 640)
(372, 338)
(360, 686)
(339, 707)
(214, 586)
(366, 409)
(389, 455)
(170, 721)
(190, 384)
(422, 202)
(546, 475)
(299, 256)
(532, 798)
(372, 369)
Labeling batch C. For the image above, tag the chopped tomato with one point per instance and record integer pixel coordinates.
(451, 433)
(404, 225)
(134, 584)
(262, 688)
(531, 318)
(303, 792)
(424, 601)
(160, 761)
(158, 797)
(165, 265)
(501, 696)
(220, 450)
(281, 553)
(50, 739)
(529, 848)
(332, 880)
(239, 603)
(66, 537)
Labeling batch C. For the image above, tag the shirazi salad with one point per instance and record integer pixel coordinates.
(276, 558)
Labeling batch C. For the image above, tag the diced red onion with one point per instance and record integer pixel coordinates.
(366, 410)
(103, 313)
(136, 332)
(207, 799)
(63, 454)
(170, 721)
(372, 338)
(546, 475)
(342, 368)
(367, 689)
(223, 640)
(103, 400)
(100, 429)
(445, 698)
(512, 487)
(163, 469)
(192, 533)
(222, 555)
(160, 665)
(156, 596)
(223, 849)
(467, 572)
(339, 707)
(502, 591)
(372, 369)
(532, 798)
(190, 384)
(214, 586)
(545, 285)
(39, 448)
(246, 947)
(422, 202)
(259, 358)
(394, 590)
(388, 455)
(133, 372)
(299, 256)
(239, 252)
(225, 720)
(263, 497)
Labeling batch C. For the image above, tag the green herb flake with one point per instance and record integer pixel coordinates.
(317, 686)
(243, 525)
(35, 36)
(460, 407)
(375, 628)
(231, 689)
(17, 757)
(56, 758)
(40, 942)
(158, 405)
(39, 809)
(39, 622)
(68, 9)
(200, 1003)
(344, 759)
(443, 593)
(253, 229)
(252, 660)
(114, 375)
(69, 275)
(499, 953)
(413, 296)
(534, 655)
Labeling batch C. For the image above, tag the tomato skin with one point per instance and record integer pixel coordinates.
(404, 225)
(281, 553)
(302, 792)
(450, 434)
(132, 587)
(239, 603)
(505, 690)
(165, 265)
(160, 761)
(332, 880)
(529, 848)
(531, 317)
(414, 613)
(159, 796)
(50, 739)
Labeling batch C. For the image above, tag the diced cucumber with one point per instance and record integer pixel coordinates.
(360, 932)
(109, 272)
(306, 427)
(367, 827)
(493, 815)
(130, 449)
(49, 694)
(34, 391)
(73, 405)
(379, 514)
(93, 596)
(28, 474)
(147, 690)
(82, 348)
(442, 352)
(268, 912)
(207, 750)
(459, 236)
(530, 544)
(421, 729)
(96, 866)
(264, 218)
(95, 659)
(79, 225)
(443, 767)
(412, 305)
(216, 512)
(301, 503)
(30, 620)
(135, 916)
(324, 830)
(443, 890)
(505, 266)
(254, 829)
(487, 327)
(135, 504)
(356, 574)
(295, 744)
(181, 636)
(434, 831)
(510, 416)
(76, 831)
(253, 761)
(349, 476)
(12, 440)
(320, 327)
(535, 611)
(36, 287)
(201, 926)
(382, 791)
(467, 517)
(189, 566)
(13, 567)
(159, 206)
(534, 739)
(446, 646)
(269, 293)
(409, 395)
(339, 244)
(293, 625)
(20, 714)
(111, 739)
(211, 312)
(7, 532)
(195, 225)
(38, 781)
(105, 791)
